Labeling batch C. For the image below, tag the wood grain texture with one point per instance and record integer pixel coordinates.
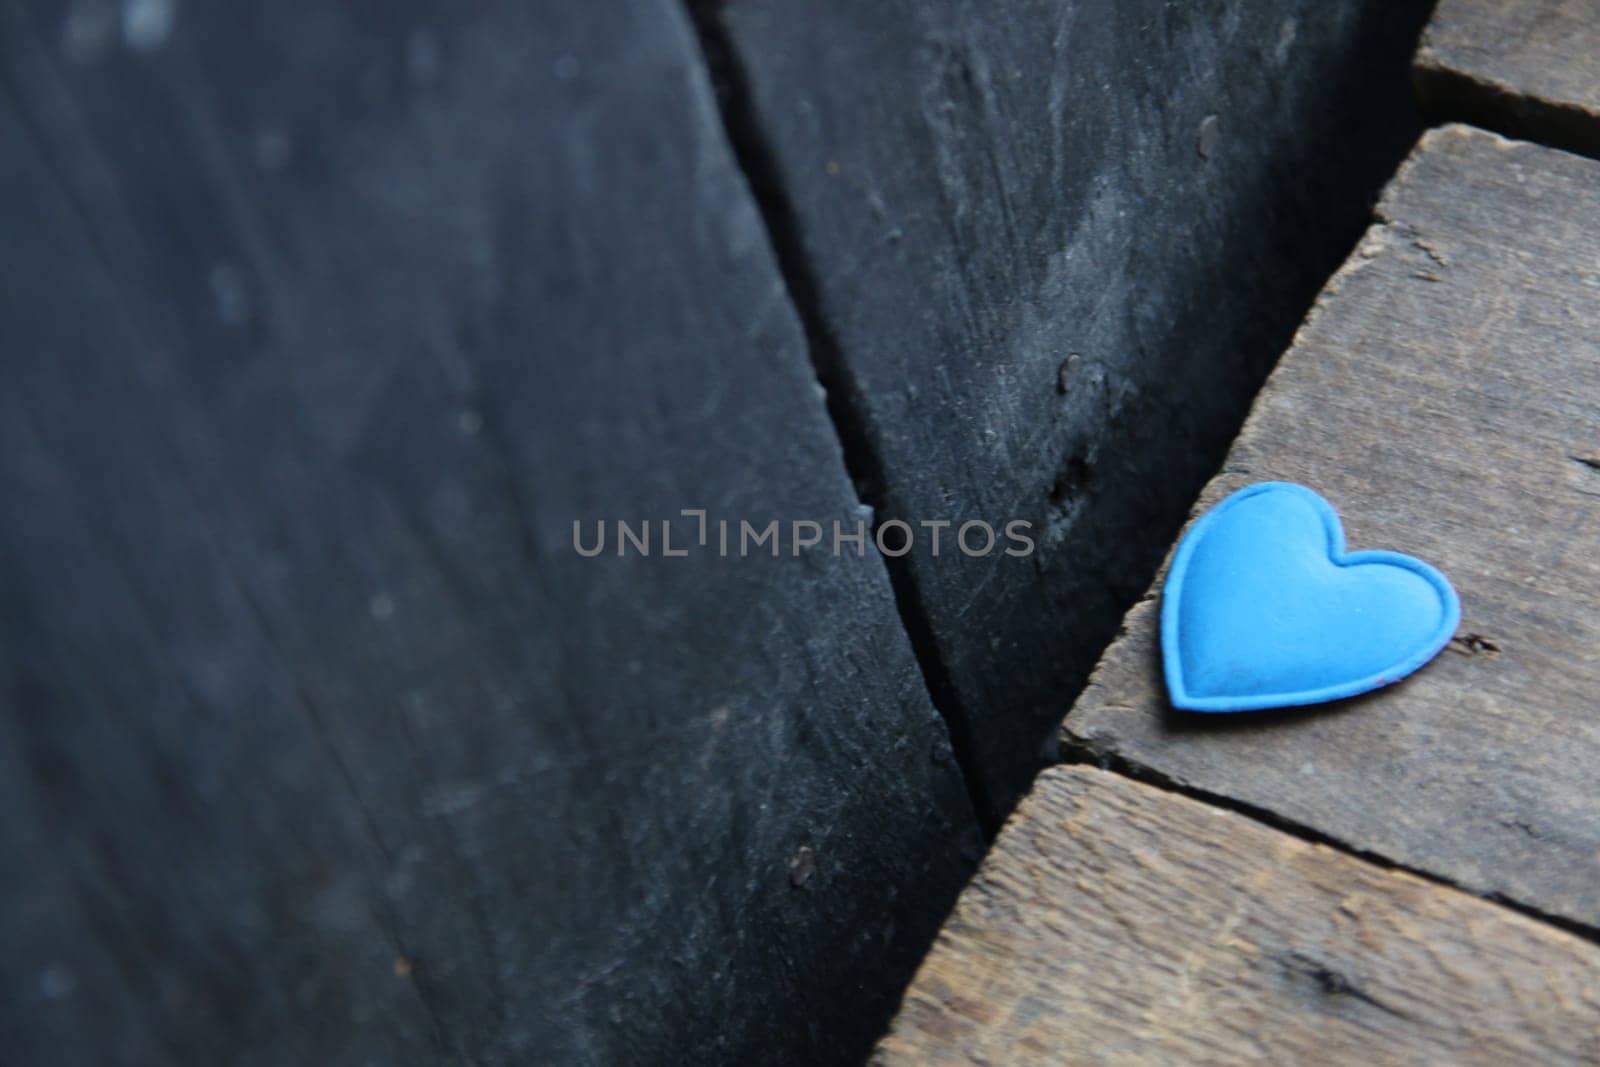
(1052, 248)
(319, 743)
(1114, 923)
(1529, 69)
(1444, 395)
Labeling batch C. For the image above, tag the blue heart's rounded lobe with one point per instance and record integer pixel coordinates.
(1263, 608)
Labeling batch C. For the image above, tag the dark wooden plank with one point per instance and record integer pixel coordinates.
(1444, 396)
(1050, 249)
(318, 741)
(1527, 69)
(1115, 923)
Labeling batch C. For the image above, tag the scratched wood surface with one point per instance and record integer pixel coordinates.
(322, 324)
(1527, 69)
(1045, 281)
(1444, 395)
(1117, 923)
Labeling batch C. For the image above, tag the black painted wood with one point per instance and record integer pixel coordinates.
(1048, 249)
(318, 741)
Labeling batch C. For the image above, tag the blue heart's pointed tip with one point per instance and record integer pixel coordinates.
(1263, 608)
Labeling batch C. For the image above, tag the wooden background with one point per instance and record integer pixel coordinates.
(321, 324)
(1408, 876)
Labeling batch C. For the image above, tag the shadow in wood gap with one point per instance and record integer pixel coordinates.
(1079, 752)
(845, 407)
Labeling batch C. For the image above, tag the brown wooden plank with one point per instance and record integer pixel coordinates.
(1529, 69)
(1444, 395)
(1117, 923)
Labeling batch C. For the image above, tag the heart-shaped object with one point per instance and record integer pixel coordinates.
(1263, 608)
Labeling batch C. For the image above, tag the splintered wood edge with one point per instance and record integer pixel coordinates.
(1117, 922)
(1449, 91)
(1459, 76)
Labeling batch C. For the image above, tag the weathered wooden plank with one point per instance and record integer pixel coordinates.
(1529, 69)
(1116, 923)
(1051, 248)
(319, 744)
(1444, 396)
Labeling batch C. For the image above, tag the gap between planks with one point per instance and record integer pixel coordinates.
(1082, 753)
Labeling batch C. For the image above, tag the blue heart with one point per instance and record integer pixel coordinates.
(1263, 608)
